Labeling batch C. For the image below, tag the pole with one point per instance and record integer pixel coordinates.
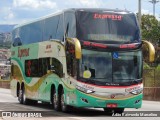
(154, 9)
(154, 2)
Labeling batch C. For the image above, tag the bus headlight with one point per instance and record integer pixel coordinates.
(136, 92)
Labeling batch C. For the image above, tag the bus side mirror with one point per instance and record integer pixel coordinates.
(148, 51)
(78, 50)
(76, 46)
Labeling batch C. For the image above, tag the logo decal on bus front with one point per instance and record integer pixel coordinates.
(107, 16)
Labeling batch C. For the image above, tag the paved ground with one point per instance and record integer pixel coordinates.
(9, 103)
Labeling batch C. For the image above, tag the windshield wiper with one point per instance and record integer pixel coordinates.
(129, 81)
(91, 81)
(135, 81)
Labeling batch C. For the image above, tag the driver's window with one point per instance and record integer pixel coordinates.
(71, 60)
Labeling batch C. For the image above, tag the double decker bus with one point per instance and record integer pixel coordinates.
(80, 57)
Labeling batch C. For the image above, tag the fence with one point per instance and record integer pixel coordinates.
(5, 84)
(151, 80)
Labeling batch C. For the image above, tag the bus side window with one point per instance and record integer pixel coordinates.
(31, 68)
(57, 67)
(60, 29)
(43, 66)
(50, 27)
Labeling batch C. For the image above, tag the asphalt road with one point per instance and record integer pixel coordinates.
(9, 103)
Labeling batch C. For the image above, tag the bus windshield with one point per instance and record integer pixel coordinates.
(107, 27)
(111, 67)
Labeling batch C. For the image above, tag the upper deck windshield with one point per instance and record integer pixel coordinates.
(107, 27)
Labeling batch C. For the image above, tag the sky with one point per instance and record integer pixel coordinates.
(19, 11)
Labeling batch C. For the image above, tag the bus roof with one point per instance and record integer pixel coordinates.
(99, 9)
(75, 9)
(38, 19)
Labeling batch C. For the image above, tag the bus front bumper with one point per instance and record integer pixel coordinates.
(87, 100)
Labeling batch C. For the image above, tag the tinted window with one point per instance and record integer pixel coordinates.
(30, 33)
(107, 27)
(71, 60)
(70, 25)
(25, 34)
(36, 32)
(111, 67)
(44, 66)
(98, 63)
(57, 67)
(40, 67)
(127, 66)
(60, 29)
(50, 28)
(31, 68)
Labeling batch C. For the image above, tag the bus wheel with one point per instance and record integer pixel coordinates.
(64, 107)
(22, 97)
(55, 101)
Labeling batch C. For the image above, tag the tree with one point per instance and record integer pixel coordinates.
(150, 28)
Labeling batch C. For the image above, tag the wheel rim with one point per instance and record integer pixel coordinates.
(24, 96)
(64, 107)
(62, 101)
(55, 100)
(20, 95)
